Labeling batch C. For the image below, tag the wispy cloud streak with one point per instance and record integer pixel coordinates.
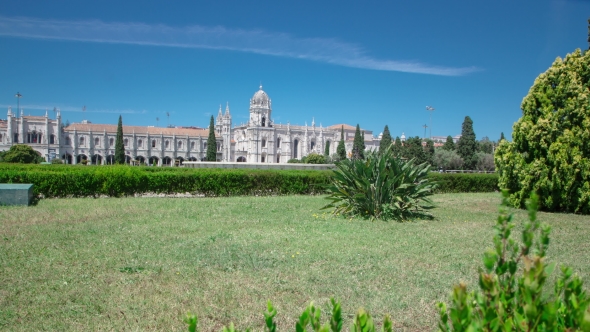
(70, 109)
(219, 38)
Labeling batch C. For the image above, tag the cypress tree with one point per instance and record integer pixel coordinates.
(327, 149)
(501, 137)
(385, 140)
(358, 146)
(467, 145)
(341, 150)
(211, 143)
(397, 147)
(449, 144)
(119, 147)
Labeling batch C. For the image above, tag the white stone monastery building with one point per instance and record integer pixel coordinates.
(259, 140)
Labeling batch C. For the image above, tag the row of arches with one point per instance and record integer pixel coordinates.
(97, 159)
(82, 142)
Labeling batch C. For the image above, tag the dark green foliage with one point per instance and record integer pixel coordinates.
(294, 161)
(464, 182)
(382, 187)
(211, 142)
(23, 154)
(56, 161)
(78, 181)
(397, 147)
(385, 140)
(429, 150)
(119, 146)
(358, 146)
(314, 158)
(413, 149)
(327, 149)
(341, 149)
(467, 145)
(512, 294)
(449, 144)
(486, 146)
(501, 137)
(550, 152)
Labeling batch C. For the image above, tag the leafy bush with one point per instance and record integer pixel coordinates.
(551, 150)
(381, 186)
(447, 159)
(56, 161)
(464, 182)
(314, 158)
(512, 295)
(23, 154)
(484, 162)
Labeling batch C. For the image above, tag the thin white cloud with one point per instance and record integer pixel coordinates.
(70, 109)
(220, 38)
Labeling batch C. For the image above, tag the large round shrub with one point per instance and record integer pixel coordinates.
(22, 153)
(551, 149)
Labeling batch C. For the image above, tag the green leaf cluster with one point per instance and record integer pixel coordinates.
(385, 140)
(512, 294)
(358, 145)
(381, 186)
(341, 149)
(314, 158)
(550, 153)
(22, 154)
(467, 146)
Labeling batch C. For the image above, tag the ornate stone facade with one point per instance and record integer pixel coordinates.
(260, 140)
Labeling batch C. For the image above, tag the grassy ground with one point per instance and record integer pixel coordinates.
(140, 264)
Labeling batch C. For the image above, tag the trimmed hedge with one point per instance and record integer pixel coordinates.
(465, 182)
(81, 181)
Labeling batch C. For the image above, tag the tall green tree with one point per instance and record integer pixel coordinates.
(449, 144)
(467, 145)
(358, 146)
(119, 146)
(501, 136)
(486, 146)
(385, 140)
(327, 149)
(397, 147)
(211, 142)
(341, 149)
(550, 151)
(413, 149)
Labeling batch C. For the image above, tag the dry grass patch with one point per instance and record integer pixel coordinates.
(141, 263)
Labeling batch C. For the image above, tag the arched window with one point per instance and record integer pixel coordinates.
(264, 142)
(295, 148)
(263, 121)
(126, 142)
(218, 146)
(82, 141)
(312, 145)
(0, 137)
(179, 145)
(68, 140)
(278, 142)
(140, 144)
(167, 144)
(192, 145)
(153, 143)
(204, 146)
(111, 142)
(96, 141)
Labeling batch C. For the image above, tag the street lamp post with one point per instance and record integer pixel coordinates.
(430, 109)
(425, 126)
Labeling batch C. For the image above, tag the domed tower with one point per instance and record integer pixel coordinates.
(260, 109)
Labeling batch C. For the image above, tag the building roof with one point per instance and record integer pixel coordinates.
(83, 127)
(338, 126)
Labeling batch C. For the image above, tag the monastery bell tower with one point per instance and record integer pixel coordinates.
(260, 110)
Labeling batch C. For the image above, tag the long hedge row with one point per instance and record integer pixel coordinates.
(93, 181)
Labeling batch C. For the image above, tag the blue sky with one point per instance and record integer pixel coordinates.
(367, 62)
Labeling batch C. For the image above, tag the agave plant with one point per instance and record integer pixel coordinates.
(381, 186)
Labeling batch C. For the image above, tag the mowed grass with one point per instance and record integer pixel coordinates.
(138, 264)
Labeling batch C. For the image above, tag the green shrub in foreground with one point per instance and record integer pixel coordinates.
(511, 295)
(465, 182)
(381, 186)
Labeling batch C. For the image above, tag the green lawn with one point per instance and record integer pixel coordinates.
(142, 263)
